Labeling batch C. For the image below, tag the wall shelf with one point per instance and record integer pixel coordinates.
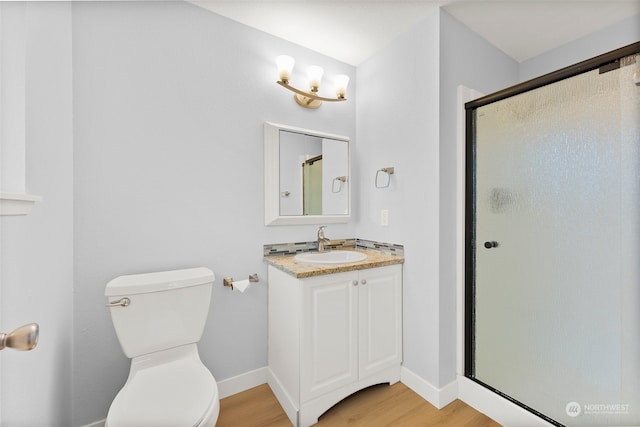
(17, 204)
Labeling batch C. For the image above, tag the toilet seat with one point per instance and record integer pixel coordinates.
(179, 393)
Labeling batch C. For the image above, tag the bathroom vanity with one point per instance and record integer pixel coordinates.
(333, 330)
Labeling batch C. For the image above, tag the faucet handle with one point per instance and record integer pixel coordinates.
(321, 230)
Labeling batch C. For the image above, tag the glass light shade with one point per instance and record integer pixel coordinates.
(285, 67)
(341, 81)
(314, 73)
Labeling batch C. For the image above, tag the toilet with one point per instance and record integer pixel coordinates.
(159, 319)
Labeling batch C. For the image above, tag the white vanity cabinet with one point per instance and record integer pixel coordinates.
(332, 335)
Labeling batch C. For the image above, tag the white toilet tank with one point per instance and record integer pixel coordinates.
(160, 310)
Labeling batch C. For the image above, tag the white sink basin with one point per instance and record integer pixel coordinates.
(331, 257)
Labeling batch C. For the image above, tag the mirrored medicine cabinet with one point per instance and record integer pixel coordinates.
(306, 176)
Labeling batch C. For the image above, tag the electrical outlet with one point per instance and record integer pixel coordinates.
(384, 217)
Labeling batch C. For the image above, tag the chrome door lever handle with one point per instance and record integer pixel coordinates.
(122, 302)
(23, 338)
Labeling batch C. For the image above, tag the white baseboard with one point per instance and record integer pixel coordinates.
(496, 407)
(287, 404)
(242, 382)
(478, 397)
(438, 397)
(499, 409)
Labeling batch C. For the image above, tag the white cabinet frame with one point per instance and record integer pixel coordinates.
(332, 335)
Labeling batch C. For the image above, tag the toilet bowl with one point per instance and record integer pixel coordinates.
(159, 318)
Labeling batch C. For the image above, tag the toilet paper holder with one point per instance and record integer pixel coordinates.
(228, 281)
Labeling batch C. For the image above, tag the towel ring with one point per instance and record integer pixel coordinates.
(339, 180)
(386, 173)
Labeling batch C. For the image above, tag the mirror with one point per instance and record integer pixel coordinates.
(306, 176)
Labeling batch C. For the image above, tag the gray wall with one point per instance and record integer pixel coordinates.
(411, 124)
(597, 43)
(398, 126)
(169, 105)
(36, 256)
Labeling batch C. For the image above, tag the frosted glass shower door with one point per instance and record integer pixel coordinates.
(556, 305)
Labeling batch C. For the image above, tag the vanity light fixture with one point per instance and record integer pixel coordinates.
(310, 98)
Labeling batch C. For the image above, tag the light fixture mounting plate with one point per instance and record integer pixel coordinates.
(307, 102)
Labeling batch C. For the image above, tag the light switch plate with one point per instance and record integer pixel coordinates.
(384, 217)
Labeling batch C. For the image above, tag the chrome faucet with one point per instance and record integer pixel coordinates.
(322, 239)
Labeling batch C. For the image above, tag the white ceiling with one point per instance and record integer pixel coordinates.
(353, 30)
(524, 29)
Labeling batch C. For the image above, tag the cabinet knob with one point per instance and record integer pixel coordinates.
(355, 283)
(363, 281)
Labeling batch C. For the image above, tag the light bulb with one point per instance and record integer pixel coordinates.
(285, 67)
(341, 81)
(314, 73)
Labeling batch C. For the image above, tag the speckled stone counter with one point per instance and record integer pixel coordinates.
(375, 258)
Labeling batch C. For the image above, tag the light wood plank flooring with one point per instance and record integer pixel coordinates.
(377, 406)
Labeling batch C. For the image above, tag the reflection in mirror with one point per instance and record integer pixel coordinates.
(311, 186)
(306, 176)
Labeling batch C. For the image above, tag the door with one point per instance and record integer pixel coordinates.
(380, 319)
(312, 186)
(329, 340)
(553, 252)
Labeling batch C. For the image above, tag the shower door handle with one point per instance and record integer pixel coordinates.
(492, 244)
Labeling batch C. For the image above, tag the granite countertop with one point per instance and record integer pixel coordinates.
(375, 258)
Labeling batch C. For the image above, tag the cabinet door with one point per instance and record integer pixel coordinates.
(329, 335)
(380, 319)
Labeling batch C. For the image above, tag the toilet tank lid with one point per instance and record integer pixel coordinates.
(160, 281)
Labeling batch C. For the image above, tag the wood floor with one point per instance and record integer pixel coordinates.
(377, 406)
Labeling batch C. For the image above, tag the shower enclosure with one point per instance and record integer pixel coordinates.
(552, 317)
